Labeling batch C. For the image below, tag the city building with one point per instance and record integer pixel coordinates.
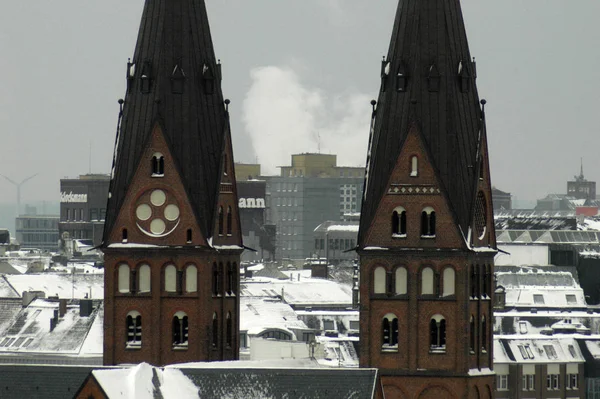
(83, 207)
(172, 239)
(37, 231)
(581, 188)
(501, 200)
(538, 367)
(335, 241)
(309, 192)
(426, 237)
(257, 235)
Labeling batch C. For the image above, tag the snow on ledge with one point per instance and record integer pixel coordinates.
(134, 245)
(484, 371)
(376, 249)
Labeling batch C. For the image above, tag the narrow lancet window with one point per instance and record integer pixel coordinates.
(134, 329)
(180, 330)
(158, 165)
(414, 166)
(428, 222)
(399, 222)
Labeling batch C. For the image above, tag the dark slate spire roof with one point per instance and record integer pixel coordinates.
(175, 52)
(428, 40)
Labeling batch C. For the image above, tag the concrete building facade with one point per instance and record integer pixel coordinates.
(312, 190)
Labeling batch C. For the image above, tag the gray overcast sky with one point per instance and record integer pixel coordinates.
(300, 75)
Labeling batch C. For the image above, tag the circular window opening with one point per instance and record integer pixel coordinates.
(143, 212)
(158, 197)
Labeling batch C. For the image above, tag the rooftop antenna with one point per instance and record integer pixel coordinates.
(90, 160)
(581, 173)
(18, 186)
(318, 142)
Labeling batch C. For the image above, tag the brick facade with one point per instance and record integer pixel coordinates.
(217, 286)
(415, 369)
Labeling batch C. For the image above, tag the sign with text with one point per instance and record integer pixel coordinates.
(72, 198)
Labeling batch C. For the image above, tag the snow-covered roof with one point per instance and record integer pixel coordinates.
(7, 290)
(547, 237)
(535, 287)
(139, 382)
(306, 292)
(31, 330)
(260, 314)
(247, 380)
(337, 226)
(64, 285)
(542, 350)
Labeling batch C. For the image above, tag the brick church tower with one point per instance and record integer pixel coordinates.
(427, 238)
(172, 238)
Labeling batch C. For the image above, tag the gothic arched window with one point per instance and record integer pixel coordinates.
(389, 332)
(229, 221)
(437, 327)
(231, 278)
(144, 285)
(399, 222)
(414, 166)
(158, 165)
(428, 222)
(170, 278)
(124, 273)
(401, 281)
(220, 220)
(191, 279)
(427, 281)
(134, 329)
(180, 329)
(449, 284)
(379, 283)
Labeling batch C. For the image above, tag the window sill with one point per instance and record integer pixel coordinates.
(180, 347)
(427, 237)
(133, 346)
(158, 175)
(395, 235)
(389, 349)
(437, 351)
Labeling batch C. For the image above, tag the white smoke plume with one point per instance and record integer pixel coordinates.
(285, 117)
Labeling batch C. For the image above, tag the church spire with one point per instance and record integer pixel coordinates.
(426, 234)
(173, 81)
(172, 237)
(428, 79)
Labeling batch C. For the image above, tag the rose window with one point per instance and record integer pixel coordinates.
(157, 213)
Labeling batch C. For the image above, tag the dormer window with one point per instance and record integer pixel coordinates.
(158, 165)
(464, 77)
(385, 73)
(130, 73)
(433, 79)
(177, 80)
(146, 78)
(401, 79)
(414, 166)
(208, 76)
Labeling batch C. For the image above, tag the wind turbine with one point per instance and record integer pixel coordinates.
(18, 186)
